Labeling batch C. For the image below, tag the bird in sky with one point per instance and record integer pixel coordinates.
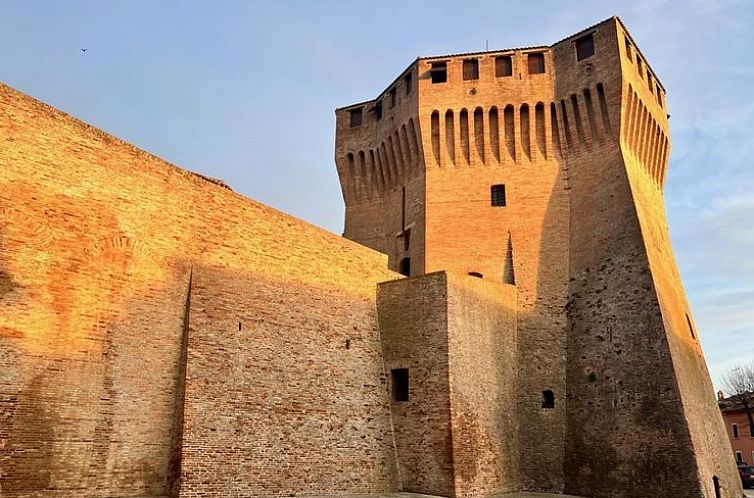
(84, 49)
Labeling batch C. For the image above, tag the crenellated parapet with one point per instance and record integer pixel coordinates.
(518, 133)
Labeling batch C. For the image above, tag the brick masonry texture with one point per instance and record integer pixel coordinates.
(161, 335)
(457, 434)
(602, 320)
(115, 267)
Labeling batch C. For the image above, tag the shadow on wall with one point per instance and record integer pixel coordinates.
(287, 374)
(94, 344)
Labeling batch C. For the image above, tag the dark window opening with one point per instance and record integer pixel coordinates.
(739, 456)
(404, 268)
(439, 72)
(503, 66)
(639, 66)
(408, 80)
(475, 274)
(348, 343)
(392, 97)
(356, 115)
(548, 399)
(536, 63)
(239, 326)
(497, 195)
(659, 95)
(406, 239)
(400, 384)
(471, 69)
(735, 431)
(628, 49)
(650, 84)
(585, 47)
(377, 109)
(691, 327)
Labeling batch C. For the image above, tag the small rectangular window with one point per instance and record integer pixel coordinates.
(497, 195)
(377, 110)
(439, 72)
(735, 431)
(739, 456)
(503, 66)
(585, 47)
(404, 267)
(650, 83)
(471, 69)
(536, 63)
(629, 49)
(639, 66)
(392, 97)
(408, 81)
(659, 94)
(356, 115)
(400, 384)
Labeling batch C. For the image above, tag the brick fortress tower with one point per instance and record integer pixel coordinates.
(574, 364)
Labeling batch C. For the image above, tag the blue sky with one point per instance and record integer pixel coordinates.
(245, 91)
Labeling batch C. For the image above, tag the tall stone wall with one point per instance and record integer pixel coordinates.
(500, 130)
(457, 434)
(709, 441)
(413, 317)
(145, 309)
(483, 362)
(635, 385)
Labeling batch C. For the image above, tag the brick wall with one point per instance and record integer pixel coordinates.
(413, 316)
(115, 267)
(640, 400)
(457, 434)
(483, 359)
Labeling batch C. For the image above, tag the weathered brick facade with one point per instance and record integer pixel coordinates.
(161, 335)
(577, 133)
(156, 324)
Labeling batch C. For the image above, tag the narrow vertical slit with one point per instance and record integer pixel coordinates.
(525, 133)
(555, 128)
(401, 151)
(591, 117)
(510, 131)
(539, 121)
(450, 137)
(351, 168)
(379, 179)
(406, 146)
(383, 167)
(414, 140)
(629, 114)
(566, 125)
(385, 164)
(363, 185)
(494, 133)
(603, 107)
(636, 128)
(644, 134)
(479, 133)
(464, 124)
(577, 119)
(394, 158)
(436, 136)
